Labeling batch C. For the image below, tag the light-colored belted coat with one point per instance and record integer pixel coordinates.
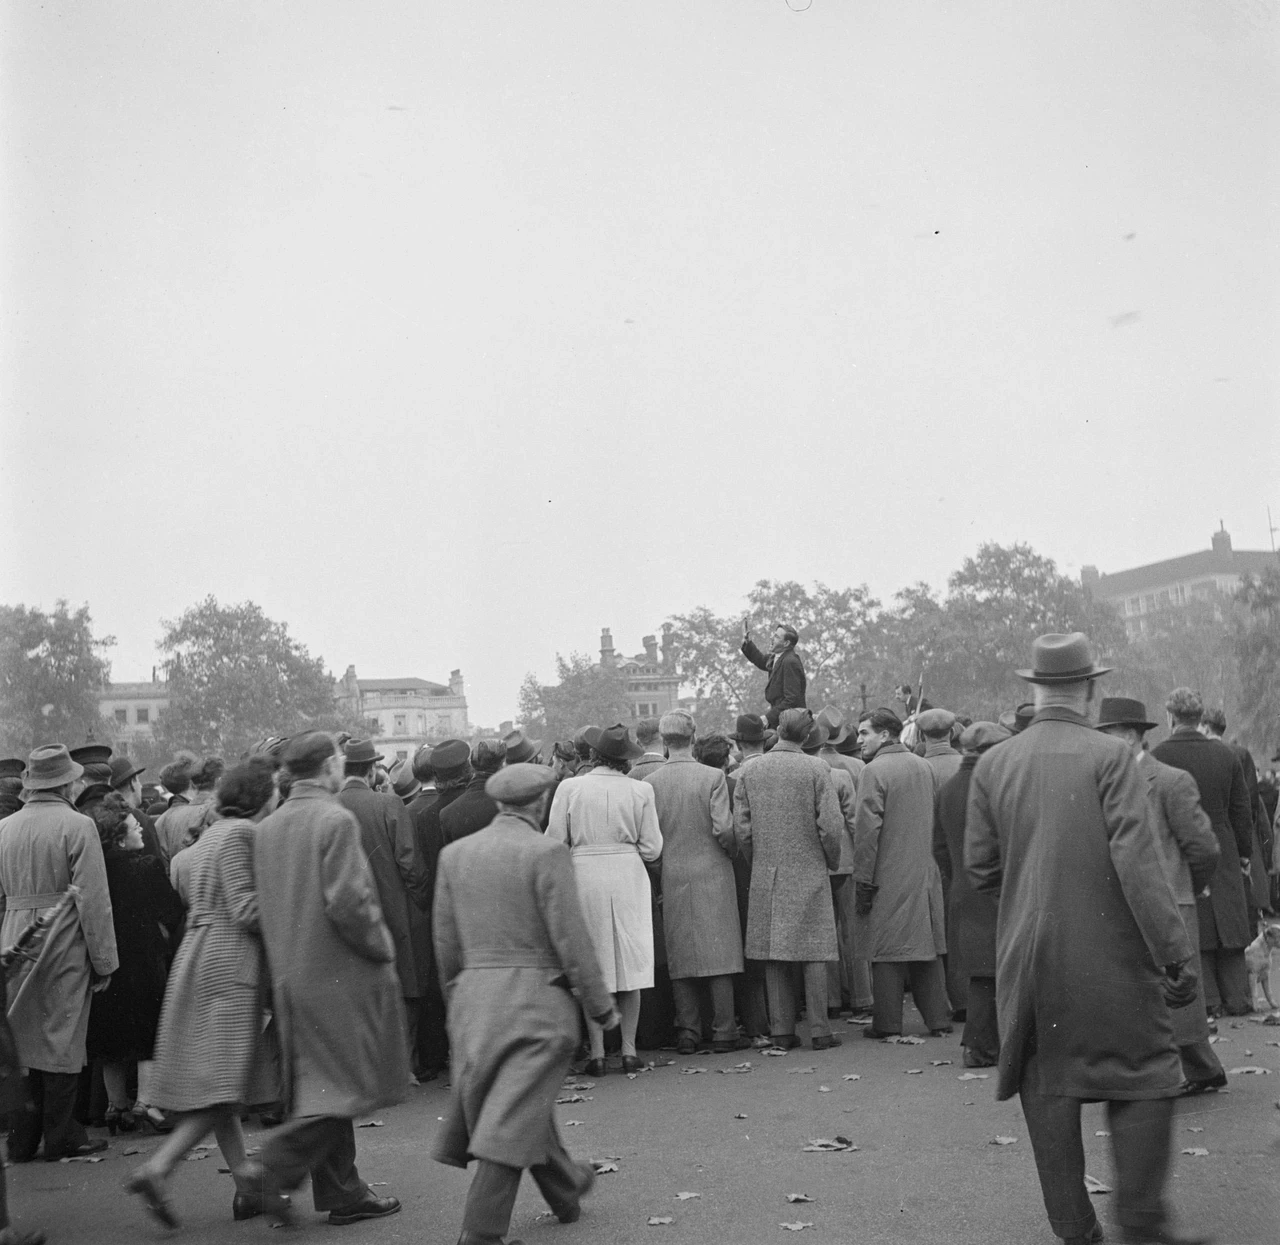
(334, 986)
(788, 824)
(511, 942)
(699, 902)
(44, 848)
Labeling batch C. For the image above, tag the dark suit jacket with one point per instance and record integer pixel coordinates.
(785, 689)
(1224, 918)
(971, 914)
(471, 811)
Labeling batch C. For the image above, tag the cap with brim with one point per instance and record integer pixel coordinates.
(124, 771)
(936, 722)
(520, 783)
(614, 742)
(91, 754)
(1121, 711)
(1062, 659)
(983, 735)
(12, 767)
(749, 729)
(51, 766)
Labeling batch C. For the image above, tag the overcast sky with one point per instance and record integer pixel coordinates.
(450, 333)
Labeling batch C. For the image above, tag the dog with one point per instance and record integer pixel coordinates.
(1257, 957)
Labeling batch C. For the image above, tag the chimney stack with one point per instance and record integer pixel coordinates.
(1222, 539)
(607, 656)
(456, 685)
(650, 643)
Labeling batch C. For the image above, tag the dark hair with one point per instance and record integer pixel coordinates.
(307, 754)
(788, 632)
(175, 778)
(111, 816)
(207, 775)
(885, 720)
(11, 786)
(1215, 720)
(456, 780)
(422, 770)
(713, 750)
(599, 758)
(488, 756)
(246, 787)
(646, 730)
(358, 769)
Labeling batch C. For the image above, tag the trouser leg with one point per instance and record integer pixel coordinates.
(782, 1002)
(1199, 1063)
(723, 1026)
(815, 998)
(1053, 1124)
(1233, 981)
(688, 1014)
(62, 1131)
(412, 1009)
(27, 1123)
(1141, 1133)
(433, 1036)
(749, 992)
(1209, 980)
(323, 1145)
(863, 994)
(560, 1180)
(981, 1032)
(490, 1201)
(929, 989)
(887, 979)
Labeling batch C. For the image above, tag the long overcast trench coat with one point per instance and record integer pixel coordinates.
(1059, 826)
(44, 848)
(511, 942)
(699, 902)
(334, 987)
(971, 914)
(788, 825)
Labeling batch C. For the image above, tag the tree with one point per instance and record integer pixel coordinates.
(1256, 641)
(236, 676)
(51, 670)
(587, 694)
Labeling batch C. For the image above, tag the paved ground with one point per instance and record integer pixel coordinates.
(925, 1170)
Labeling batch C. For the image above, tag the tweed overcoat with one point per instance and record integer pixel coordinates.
(399, 872)
(334, 987)
(788, 825)
(511, 942)
(893, 851)
(971, 914)
(699, 903)
(1224, 916)
(212, 1046)
(44, 848)
(847, 797)
(786, 685)
(944, 761)
(1060, 826)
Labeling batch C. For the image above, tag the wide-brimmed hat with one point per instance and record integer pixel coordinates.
(124, 771)
(1121, 711)
(12, 767)
(520, 783)
(91, 754)
(1062, 659)
(749, 729)
(520, 748)
(614, 742)
(51, 766)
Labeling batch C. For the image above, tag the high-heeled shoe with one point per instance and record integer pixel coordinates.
(121, 1121)
(150, 1118)
(152, 1191)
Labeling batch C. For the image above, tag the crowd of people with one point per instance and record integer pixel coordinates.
(279, 936)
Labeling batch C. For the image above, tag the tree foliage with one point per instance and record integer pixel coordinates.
(51, 670)
(1256, 644)
(585, 694)
(236, 676)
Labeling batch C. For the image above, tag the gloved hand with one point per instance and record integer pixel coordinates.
(864, 898)
(1180, 984)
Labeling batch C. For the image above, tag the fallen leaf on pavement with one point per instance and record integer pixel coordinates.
(580, 1085)
(604, 1166)
(1102, 1132)
(87, 1158)
(1093, 1185)
(824, 1089)
(737, 1067)
(915, 1072)
(799, 1197)
(795, 1227)
(195, 1158)
(823, 1145)
(563, 1100)
(973, 1076)
(1003, 1141)
(775, 1052)
(656, 1221)
(740, 1116)
(131, 1150)
(1198, 1152)
(852, 1076)
(800, 1071)
(858, 1020)
(572, 1123)
(940, 1063)
(684, 1197)
(896, 1039)
(370, 1124)
(1250, 1069)
(631, 1076)
(1193, 1129)
(691, 1071)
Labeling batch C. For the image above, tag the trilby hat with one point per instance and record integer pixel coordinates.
(1062, 659)
(1121, 711)
(614, 742)
(360, 751)
(983, 735)
(520, 748)
(124, 771)
(51, 766)
(749, 728)
(817, 736)
(404, 782)
(838, 730)
(520, 783)
(91, 754)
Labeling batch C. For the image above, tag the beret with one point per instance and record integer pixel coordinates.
(521, 783)
(983, 735)
(936, 721)
(451, 755)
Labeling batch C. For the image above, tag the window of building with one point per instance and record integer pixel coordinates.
(1134, 605)
(1162, 599)
(143, 716)
(401, 755)
(1149, 602)
(400, 720)
(122, 716)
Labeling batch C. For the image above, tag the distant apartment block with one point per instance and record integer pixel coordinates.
(653, 686)
(405, 713)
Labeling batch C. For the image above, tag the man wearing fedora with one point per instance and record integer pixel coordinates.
(748, 989)
(519, 749)
(473, 810)
(46, 847)
(399, 872)
(785, 688)
(1189, 850)
(1091, 950)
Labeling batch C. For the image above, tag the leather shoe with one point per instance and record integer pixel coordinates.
(784, 1041)
(1092, 1237)
(250, 1205)
(686, 1046)
(826, 1043)
(1210, 1085)
(76, 1152)
(974, 1060)
(594, 1068)
(941, 1032)
(877, 1034)
(368, 1207)
(154, 1196)
(632, 1063)
(571, 1213)
(733, 1044)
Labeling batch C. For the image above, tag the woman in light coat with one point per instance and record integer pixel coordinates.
(610, 824)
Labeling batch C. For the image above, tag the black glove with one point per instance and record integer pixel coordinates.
(1180, 984)
(865, 897)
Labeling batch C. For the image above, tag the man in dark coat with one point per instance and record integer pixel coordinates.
(1223, 914)
(785, 689)
(473, 810)
(971, 914)
(512, 943)
(1091, 949)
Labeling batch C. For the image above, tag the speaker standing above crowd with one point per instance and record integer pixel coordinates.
(283, 937)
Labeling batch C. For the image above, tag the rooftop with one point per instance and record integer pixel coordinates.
(1205, 562)
(402, 685)
(134, 690)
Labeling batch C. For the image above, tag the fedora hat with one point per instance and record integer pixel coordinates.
(614, 742)
(1121, 711)
(817, 736)
(124, 771)
(12, 767)
(91, 754)
(838, 730)
(450, 758)
(520, 748)
(1062, 659)
(404, 782)
(51, 766)
(749, 729)
(360, 752)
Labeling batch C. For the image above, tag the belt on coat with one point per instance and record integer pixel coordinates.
(20, 903)
(509, 957)
(604, 849)
(199, 917)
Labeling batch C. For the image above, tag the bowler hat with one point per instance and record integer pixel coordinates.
(520, 748)
(124, 771)
(983, 735)
(91, 754)
(51, 766)
(12, 767)
(450, 758)
(614, 742)
(1062, 659)
(749, 729)
(404, 782)
(520, 783)
(1121, 711)
(936, 722)
(360, 752)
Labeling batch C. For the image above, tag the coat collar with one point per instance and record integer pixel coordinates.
(785, 745)
(887, 750)
(353, 781)
(308, 789)
(1189, 734)
(939, 748)
(515, 819)
(683, 758)
(47, 797)
(1060, 713)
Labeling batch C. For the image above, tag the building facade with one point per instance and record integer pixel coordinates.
(652, 684)
(133, 709)
(1144, 591)
(405, 713)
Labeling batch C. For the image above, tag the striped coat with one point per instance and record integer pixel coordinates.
(211, 1046)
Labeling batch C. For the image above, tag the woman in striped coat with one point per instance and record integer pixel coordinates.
(211, 1055)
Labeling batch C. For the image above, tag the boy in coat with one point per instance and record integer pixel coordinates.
(511, 943)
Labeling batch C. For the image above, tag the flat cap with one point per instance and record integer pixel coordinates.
(521, 783)
(450, 756)
(936, 722)
(983, 735)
